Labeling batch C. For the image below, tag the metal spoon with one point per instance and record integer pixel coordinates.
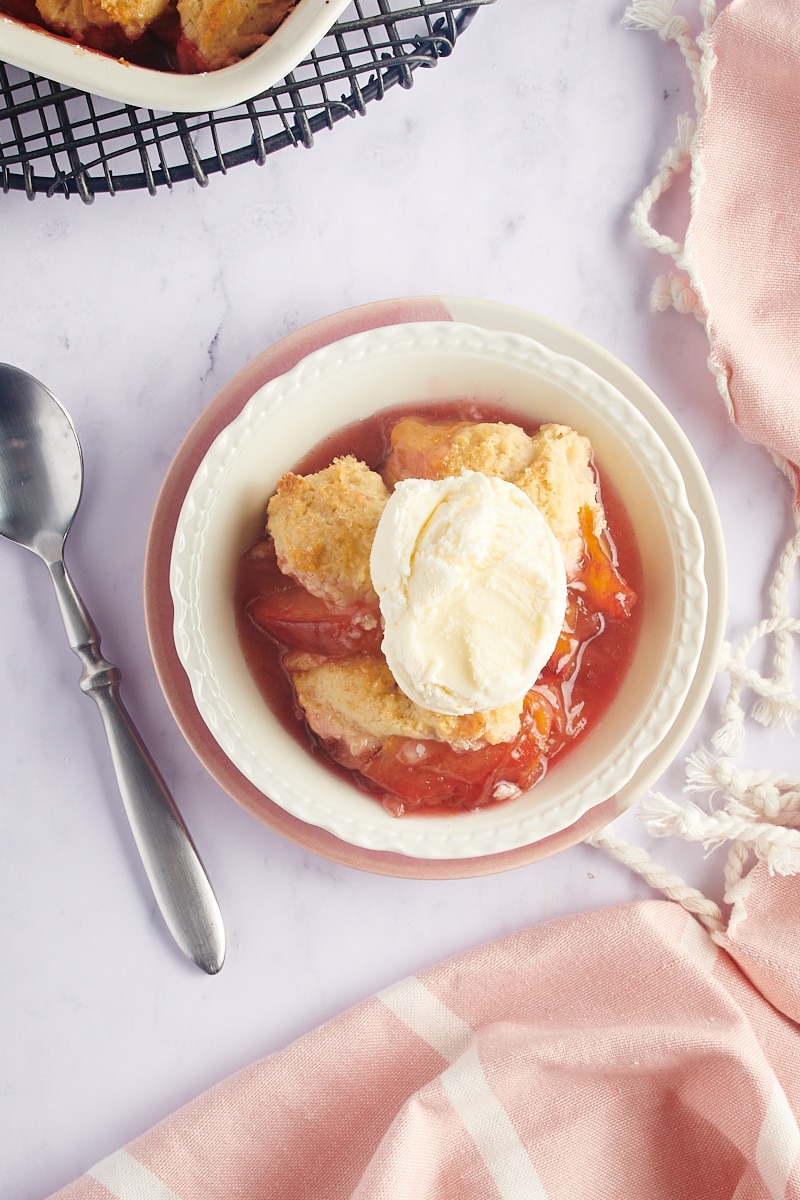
(41, 479)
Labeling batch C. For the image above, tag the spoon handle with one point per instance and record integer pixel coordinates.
(177, 876)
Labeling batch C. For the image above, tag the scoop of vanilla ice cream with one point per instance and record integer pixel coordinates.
(472, 589)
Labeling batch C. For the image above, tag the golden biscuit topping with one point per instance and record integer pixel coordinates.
(225, 31)
(356, 701)
(561, 483)
(323, 525)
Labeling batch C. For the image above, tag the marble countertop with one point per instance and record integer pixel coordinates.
(507, 173)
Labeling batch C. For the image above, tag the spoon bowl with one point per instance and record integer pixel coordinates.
(41, 465)
(41, 481)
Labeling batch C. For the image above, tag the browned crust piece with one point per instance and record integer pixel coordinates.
(561, 482)
(554, 467)
(76, 17)
(355, 700)
(225, 31)
(432, 450)
(323, 526)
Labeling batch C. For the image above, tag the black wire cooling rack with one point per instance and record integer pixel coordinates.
(57, 140)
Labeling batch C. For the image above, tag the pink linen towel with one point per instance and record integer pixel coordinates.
(633, 1053)
(738, 272)
(738, 267)
(618, 1054)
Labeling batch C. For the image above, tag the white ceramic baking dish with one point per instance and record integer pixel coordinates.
(60, 59)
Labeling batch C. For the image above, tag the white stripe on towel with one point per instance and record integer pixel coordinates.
(433, 1021)
(778, 1144)
(128, 1179)
(467, 1088)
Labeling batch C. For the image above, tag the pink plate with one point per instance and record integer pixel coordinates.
(228, 404)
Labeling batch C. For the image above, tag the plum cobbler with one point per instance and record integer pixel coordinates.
(312, 629)
(184, 36)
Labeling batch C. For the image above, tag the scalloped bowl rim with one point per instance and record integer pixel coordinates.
(54, 57)
(223, 509)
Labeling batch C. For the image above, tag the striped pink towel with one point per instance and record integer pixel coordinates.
(617, 1054)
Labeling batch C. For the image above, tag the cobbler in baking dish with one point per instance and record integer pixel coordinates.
(185, 36)
(315, 606)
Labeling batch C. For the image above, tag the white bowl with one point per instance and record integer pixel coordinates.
(77, 66)
(411, 364)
